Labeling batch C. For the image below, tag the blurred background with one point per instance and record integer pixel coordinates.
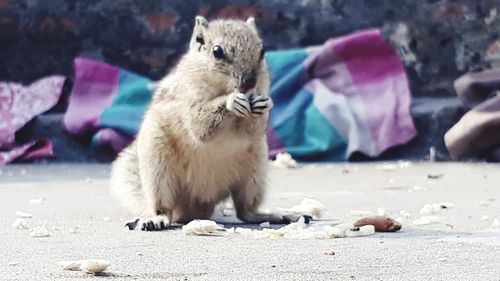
(436, 40)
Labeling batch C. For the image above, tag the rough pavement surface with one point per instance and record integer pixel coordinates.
(462, 247)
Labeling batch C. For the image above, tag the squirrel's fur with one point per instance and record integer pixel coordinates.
(197, 145)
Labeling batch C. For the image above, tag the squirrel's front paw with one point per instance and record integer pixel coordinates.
(260, 104)
(238, 104)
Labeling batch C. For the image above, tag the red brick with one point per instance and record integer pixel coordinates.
(241, 12)
(161, 22)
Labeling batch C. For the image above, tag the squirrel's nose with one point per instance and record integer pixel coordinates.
(247, 83)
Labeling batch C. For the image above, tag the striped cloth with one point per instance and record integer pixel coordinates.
(348, 95)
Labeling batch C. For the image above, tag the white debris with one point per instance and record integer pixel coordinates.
(56, 228)
(429, 209)
(40, 231)
(94, 265)
(335, 232)
(424, 220)
(228, 212)
(88, 180)
(38, 200)
(404, 213)
(496, 223)
(13, 263)
(404, 164)
(301, 230)
(416, 188)
(485, 218)
(106, 218)
(23, 215)
(20, 224)
(381, 211)
(434, 208)
(265, 224)
(361, 213)
(307, 206)
(284, 160)
(70, 265)
(360, 231)
(88, 266)
(386, 167)
(201, 227)
(23, 172)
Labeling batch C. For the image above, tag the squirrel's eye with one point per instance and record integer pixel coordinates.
(218, 52)
(262, 52)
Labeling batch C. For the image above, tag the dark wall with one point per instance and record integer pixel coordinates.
(437, 39)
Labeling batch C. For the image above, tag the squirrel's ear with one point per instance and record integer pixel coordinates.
(201, 21)
(198, 37)
(251, 22)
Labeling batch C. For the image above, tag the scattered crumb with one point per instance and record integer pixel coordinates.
(40, 231)
(88, 180)
(404, 213)
(386, 167)
(38, 200)
(23, 215)
(404, 164)
(360, 231)
(307, 206)
(433, 208)
(106, 218)
(265, 224)
(381, 211)
(20, 224)
(201, 227)
(416, 188)
(442, 259)
(485, 218)
(23, 172)
(329, 253)
(94, 265)
(70, 265)
(227, 212)
(424, 220)
(496, 223)
(13, 263)
(88, 266)
(284, 160)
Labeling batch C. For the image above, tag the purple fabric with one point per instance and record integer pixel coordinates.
(361, 87)
(95, 87)
(20, 104)
(113, 139)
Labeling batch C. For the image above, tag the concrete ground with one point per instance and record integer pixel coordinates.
(461, 247)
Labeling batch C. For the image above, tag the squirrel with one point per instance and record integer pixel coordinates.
(203, 137)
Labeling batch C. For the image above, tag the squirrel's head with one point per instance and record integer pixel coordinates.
(230, 50)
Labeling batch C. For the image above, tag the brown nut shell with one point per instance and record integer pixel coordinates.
(381, 223)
